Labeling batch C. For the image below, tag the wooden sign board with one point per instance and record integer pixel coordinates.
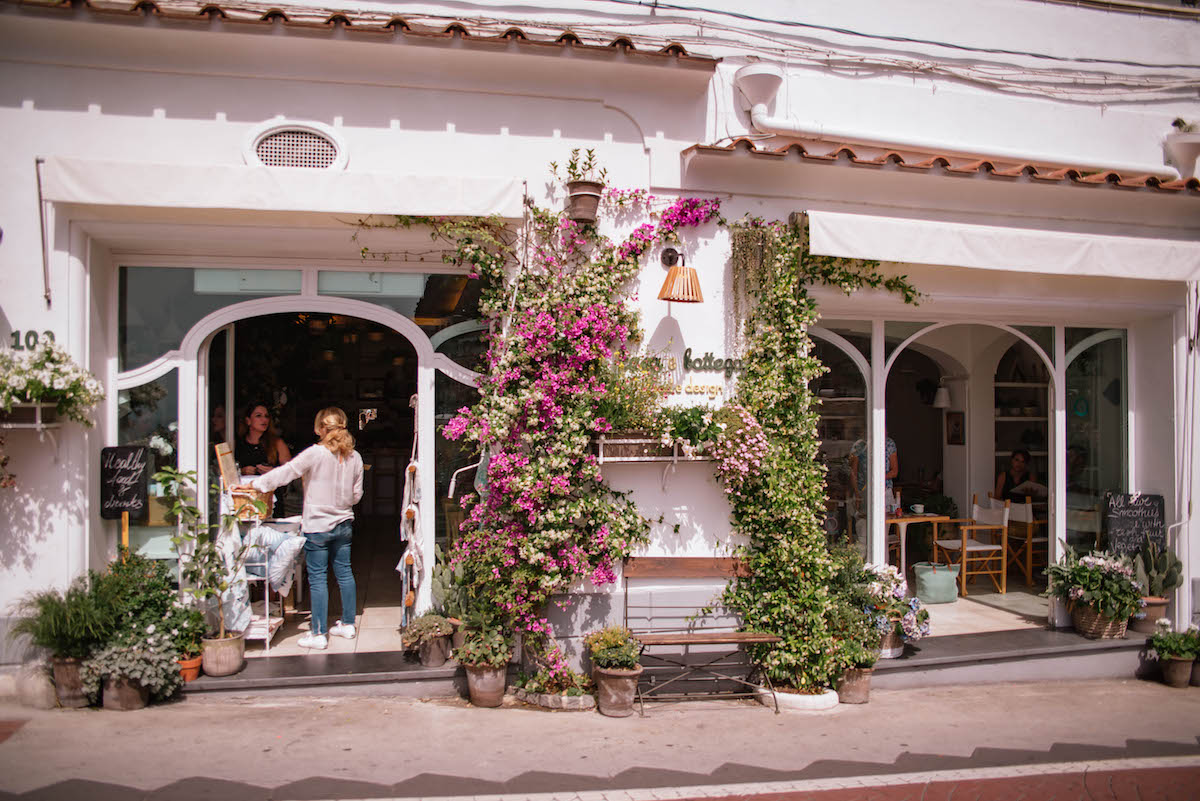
(124, 476)
(1131, 520)
(227, 466)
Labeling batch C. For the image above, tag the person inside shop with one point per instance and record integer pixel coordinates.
(858, 469)
(1009, 483)
(332, 471)
(258, 448)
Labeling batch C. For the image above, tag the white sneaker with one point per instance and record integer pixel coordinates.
(341, 629)
(317, 641)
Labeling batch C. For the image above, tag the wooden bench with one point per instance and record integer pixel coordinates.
(667, 625)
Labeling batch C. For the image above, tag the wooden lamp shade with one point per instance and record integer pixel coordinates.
(682, 285)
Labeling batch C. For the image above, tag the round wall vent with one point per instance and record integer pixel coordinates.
(288, 144)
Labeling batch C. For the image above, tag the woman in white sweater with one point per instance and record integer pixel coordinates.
(333, 482)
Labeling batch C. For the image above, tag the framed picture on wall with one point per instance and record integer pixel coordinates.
(956, 428)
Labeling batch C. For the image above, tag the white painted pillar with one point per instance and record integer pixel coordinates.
(877, 424)
(1056, 525)
(425, 464)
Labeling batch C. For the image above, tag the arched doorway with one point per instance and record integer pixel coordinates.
(1000, 400)
(181, 387)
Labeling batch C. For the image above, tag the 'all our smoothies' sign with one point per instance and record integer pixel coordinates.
(124, 472)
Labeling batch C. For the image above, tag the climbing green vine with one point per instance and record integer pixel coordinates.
(780, 507)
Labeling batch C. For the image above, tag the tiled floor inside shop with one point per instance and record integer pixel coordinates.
(984, 609)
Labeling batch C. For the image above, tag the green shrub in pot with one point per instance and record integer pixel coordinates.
(613, 648)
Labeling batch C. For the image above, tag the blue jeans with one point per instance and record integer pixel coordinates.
(319, 549)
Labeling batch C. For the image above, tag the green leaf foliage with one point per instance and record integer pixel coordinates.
(780, 509)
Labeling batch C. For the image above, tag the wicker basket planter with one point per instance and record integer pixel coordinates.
(1094, 626)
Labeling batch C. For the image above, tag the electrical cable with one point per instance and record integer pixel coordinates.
(881, 37)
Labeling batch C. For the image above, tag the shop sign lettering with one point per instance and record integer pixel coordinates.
(710, 362)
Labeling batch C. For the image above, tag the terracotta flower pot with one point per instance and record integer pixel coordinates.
(124, 694)
(434, 652)
(583, 200)
(1176, 672)
(1154, 609)
(223, 657)
(68, 685)
(616, 689)
(486, 684)
(189, 669)
(854, 686)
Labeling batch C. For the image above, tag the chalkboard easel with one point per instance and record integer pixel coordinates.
(124, 478)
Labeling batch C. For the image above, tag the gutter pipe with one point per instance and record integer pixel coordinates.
(759, 82)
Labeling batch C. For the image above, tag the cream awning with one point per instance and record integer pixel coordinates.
(988, 247)
(178, 186)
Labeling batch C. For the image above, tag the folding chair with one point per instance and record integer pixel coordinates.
(1025, 545)
(981, 547)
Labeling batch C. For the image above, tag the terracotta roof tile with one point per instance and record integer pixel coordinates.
(935, 163)
(331, 16)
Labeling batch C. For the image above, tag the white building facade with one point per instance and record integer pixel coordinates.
(174, 168)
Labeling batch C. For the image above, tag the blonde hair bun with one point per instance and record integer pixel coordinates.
(331, 426)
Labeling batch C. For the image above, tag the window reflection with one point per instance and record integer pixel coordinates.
(1096, 413)
(159, 305)
(148, 415)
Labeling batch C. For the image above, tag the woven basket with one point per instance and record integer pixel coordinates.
(1093, 625)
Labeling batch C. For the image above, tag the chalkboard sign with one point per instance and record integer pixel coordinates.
(1131, 520)
(124, 471)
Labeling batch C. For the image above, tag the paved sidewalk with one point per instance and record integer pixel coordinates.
(1056, 739)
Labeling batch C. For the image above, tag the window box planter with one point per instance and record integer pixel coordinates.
(638, 446)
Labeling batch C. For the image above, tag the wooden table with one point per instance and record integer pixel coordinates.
(902, 522)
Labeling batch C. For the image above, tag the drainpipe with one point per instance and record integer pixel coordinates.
(759, 82)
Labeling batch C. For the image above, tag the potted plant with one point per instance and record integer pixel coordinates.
(1176, 653)
(898, 618)
(615, 669)
(48, 376)
(429, 636)
(208, 571)
(585, 182)
(852, 624)
(186, 627)
(1099, 590)
(133, 672)
(1158, 573)
(70, 625)
(449, 594)
(485, 653)
(554, 685)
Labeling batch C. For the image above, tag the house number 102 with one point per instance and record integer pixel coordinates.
(29, 340)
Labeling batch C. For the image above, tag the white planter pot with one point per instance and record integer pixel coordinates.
(795, 702)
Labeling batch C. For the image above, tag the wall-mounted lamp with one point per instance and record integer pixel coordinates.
(941, 398)
(682, 284)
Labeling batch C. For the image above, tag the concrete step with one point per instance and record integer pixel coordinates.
(1001, 656)
(1021, 655)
